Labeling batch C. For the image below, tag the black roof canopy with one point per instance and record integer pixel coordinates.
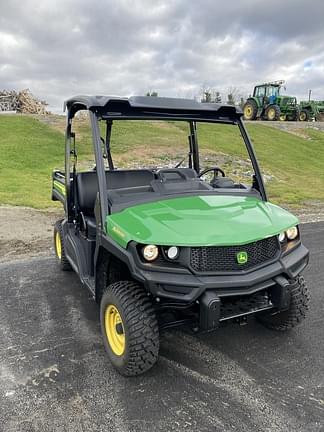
(152, 107)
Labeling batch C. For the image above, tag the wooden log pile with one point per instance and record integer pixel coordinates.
(22, 101)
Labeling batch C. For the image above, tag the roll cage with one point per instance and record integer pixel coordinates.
(110, 109)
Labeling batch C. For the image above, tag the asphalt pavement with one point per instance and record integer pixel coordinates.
(55, 376)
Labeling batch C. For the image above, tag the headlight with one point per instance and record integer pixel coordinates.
(289, 239)
(292, 233)
(172, 252)
(150, 252)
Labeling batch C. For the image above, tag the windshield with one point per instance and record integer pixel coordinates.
(273, 91)
(149, 160)
(166, 144)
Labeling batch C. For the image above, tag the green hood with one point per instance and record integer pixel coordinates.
(199, 221)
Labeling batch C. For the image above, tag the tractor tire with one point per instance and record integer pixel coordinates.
(250, 110)
(60, 248)
(296, 313)
(272, 113)
(303, 115)
(283, 117)
(129, 328)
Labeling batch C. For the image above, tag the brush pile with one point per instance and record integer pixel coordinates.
(23, 102)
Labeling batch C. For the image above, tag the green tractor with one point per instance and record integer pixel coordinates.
(267, 104)
(311, 110)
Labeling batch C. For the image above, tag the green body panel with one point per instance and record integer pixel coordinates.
(215, 220)
(59, 187)
(257, 100)
(287, 104)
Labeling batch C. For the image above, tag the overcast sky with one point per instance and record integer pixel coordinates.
(59, 48)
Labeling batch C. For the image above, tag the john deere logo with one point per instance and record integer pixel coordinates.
(242, 257)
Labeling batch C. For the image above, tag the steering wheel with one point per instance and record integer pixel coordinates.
(215, 170)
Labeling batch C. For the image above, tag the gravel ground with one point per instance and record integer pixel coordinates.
(26, 232)
(296, 128)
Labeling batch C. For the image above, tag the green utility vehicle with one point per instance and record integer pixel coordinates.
(311, 110)
(267, 104)
(161, 248)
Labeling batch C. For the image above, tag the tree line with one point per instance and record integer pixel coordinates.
(233, 96)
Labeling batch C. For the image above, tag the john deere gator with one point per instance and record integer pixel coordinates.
(160, 248)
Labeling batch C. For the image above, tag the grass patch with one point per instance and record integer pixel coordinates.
(31, 149)
(29, 152)
(296, 163)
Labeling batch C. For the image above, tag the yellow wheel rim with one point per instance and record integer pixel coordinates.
(115, 330)
(271, 114)
(58, 245)
(248, 111)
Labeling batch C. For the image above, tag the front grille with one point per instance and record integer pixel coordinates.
(287, 101)
(224, 258)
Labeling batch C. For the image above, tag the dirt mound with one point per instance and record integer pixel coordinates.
(26, 232)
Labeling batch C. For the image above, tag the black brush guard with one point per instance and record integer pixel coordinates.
(214, 310)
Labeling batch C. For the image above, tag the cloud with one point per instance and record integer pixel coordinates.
(125, 47)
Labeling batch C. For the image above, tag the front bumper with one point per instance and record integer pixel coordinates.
(188, 287)
(223, 296)
(236, 296)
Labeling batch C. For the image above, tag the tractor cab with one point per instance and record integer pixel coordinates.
(267, 90)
